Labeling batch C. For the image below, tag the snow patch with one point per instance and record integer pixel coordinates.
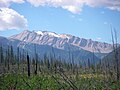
(64, 36)
(39, 32)
(53, 34)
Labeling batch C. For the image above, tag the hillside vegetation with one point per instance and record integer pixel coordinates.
(20, 72)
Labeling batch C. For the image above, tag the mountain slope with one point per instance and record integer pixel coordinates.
(63, 41)
(79, 56)
(110, 58)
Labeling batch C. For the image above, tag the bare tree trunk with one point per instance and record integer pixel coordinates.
(8, 60)
(36, 64)
(28, 65)
(36, 67)
(18, 57)
(115, 46)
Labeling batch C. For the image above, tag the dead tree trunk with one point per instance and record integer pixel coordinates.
(28, 65)
(115, 47)
(36, 64)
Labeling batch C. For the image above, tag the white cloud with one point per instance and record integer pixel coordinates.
(75, 6)
(6, 3)
(72, 9)
(10, 19)
(110, 4)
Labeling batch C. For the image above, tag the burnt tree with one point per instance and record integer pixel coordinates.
(28, 65)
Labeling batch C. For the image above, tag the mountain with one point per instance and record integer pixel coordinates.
(60, 46)
(110, 58)
(79, 56)
(63, 41)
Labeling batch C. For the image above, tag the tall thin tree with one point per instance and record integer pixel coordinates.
(115, 46)
(1, 55)
(18, 57)
(8, 59)
(36, 63)
(28, 65)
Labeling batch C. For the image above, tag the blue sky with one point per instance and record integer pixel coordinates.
(91, 21)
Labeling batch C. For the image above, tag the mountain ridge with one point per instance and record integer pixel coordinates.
(79, 56)
(59, 41)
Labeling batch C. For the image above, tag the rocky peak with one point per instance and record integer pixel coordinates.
(60, 40)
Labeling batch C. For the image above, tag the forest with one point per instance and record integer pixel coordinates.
(19, 71)
(59, 44)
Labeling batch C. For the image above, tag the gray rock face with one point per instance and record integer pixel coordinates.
(64, 46)
(63, 41)
(68, 55)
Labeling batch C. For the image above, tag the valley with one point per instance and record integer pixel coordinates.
(45, 60)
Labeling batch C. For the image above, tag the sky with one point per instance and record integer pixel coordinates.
(90, 19)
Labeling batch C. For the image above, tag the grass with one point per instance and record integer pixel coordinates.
(47, 82)
(22, 82)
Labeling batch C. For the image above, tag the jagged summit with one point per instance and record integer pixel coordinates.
(54, 34)
(48, 33)
(62, 41)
